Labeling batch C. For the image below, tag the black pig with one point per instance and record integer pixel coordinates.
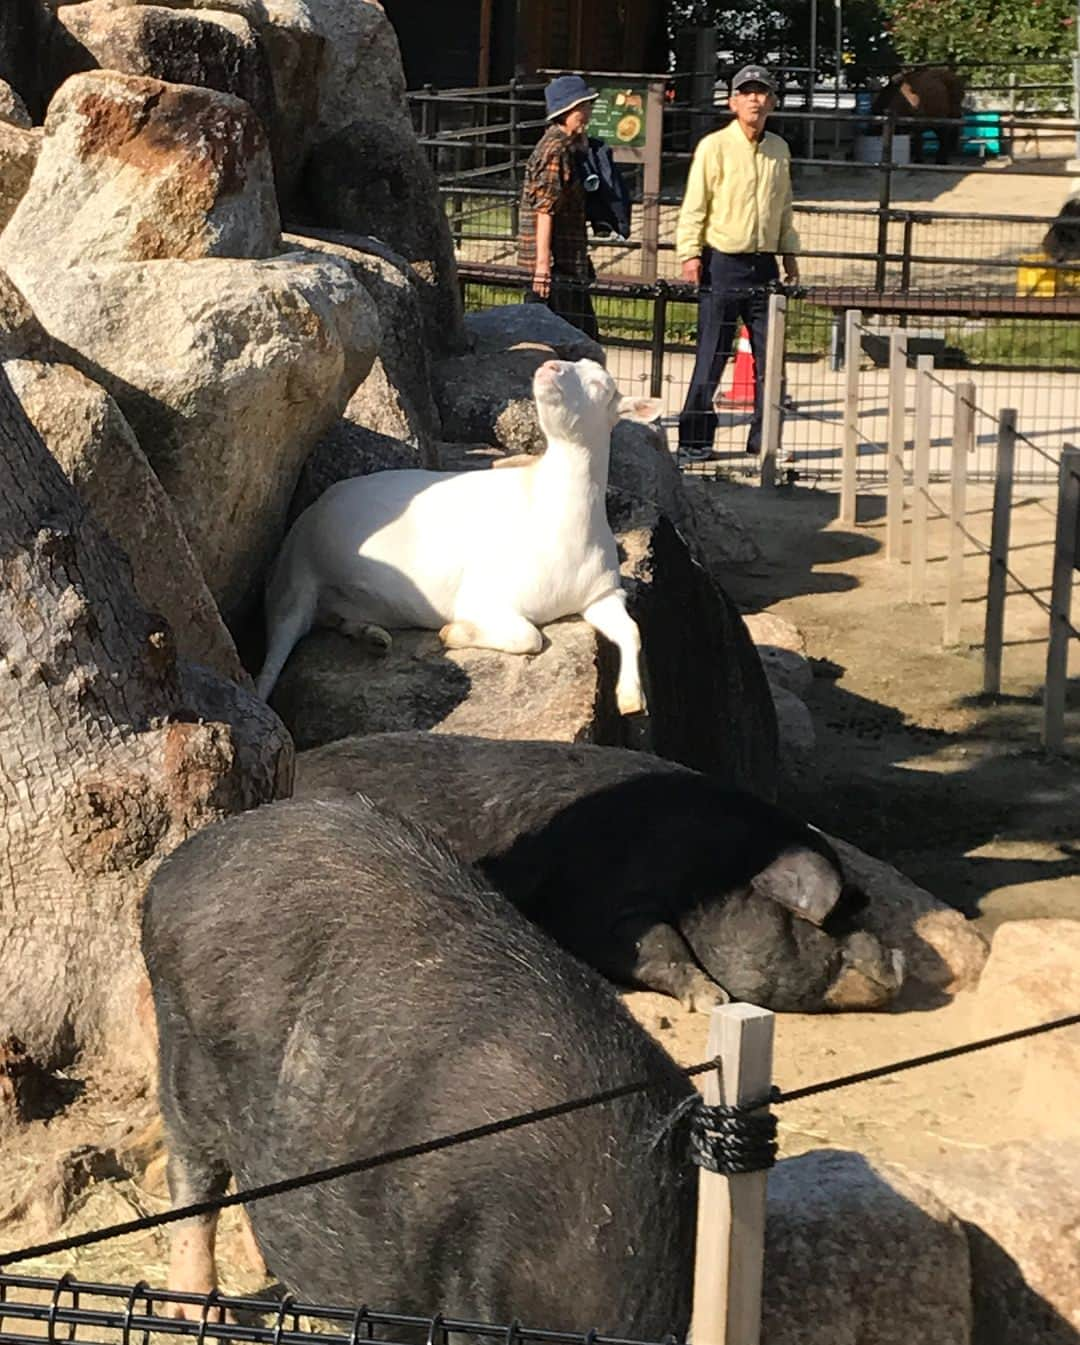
(330, 982)
(650, 872)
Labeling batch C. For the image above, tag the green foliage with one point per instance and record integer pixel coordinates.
(981, 31)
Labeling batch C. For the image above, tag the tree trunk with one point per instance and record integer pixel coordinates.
(111, 753)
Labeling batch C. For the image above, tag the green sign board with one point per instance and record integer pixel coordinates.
(618, 116)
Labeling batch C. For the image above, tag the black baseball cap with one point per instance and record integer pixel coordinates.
(753, 74)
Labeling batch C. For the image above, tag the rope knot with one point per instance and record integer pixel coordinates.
(733, 1140)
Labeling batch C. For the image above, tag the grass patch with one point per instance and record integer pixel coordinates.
(492, 215)
(1021, 344)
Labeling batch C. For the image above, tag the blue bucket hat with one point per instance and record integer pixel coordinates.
(565, 92)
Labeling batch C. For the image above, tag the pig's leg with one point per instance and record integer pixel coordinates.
(657, 957)
(506, 631)
(610, 617)
(191, 1254)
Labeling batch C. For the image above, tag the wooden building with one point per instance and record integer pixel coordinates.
(468, 43)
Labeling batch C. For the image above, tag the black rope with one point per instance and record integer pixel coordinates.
(711, 1119)
(733, 1140)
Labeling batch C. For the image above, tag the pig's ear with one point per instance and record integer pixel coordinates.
(644, 409)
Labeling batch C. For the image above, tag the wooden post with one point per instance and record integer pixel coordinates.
(894, 506)
(920, 497)
(1066, 560)
(849, 500)
(994, 634)
(650, 187)
(963, 429)
(731, 1210)
(773, 388)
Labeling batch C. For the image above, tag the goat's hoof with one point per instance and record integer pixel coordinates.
(373, 637)
(631, 703)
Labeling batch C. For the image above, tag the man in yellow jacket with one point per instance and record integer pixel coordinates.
(735, 217)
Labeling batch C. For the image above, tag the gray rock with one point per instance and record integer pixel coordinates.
(941, 949)
(83, 429)
(725, 537)
(12, 108)
(229, 372)
(19, 151)
(487, 399)
(395, 399)
(509, 326)
(211, 49)
(372, 178)
(1018, 1206)
(21, 335)
(135, 170)
(347, 450)
(784, 668)
(766, 628)
(794, 724)
(857, 1254)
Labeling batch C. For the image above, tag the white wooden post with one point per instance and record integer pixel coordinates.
(730, 1253)
(1066, 560)
(963, 431)
(773, 388)
(849, 500)
(920, 502)
(997, 578)
(894, 504)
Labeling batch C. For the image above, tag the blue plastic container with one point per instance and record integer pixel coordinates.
(981, 134)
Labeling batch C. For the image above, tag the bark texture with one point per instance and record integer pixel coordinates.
(111, 753)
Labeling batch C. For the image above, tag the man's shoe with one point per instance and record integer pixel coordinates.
(695, 452)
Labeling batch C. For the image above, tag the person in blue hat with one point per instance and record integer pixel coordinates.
(552, 243)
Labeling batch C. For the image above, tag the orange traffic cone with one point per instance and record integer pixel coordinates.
(741, 392)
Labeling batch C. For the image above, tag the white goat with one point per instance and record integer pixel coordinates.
(483, 557)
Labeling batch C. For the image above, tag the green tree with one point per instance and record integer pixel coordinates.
(982, 32)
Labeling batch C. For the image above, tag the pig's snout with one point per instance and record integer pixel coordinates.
(870, 974)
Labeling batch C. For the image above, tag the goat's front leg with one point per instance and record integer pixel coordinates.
(609, 616)
(508, 632)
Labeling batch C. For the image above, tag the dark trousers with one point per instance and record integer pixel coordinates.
(734, 287)
(571, 300)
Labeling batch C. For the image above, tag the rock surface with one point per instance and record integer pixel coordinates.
(861, 1255)
(347, 450)
(246, 365)
(395, 399)
(135, 170)
(510, 326)
(333, 687)
(211, 48)
(794, 723)
(83, 429)
(12, 108)
(21, 335)
(766, 628)
(372, 178)
(784, 668)
(25, 27)
(1018, 1207)
(941, 949)
(487, 399)
(19, 152)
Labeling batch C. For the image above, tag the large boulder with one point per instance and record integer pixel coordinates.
(211, 49)
(395, 399)
(942, 950)
(229, 372)
(487, 398)
(857, 1254)
(83, 429)
(493, 331)
(19, 151)
(132, 169)
(1017, 1202)
(12, 108)
(347, 450)
(21, 335)
(372, 178)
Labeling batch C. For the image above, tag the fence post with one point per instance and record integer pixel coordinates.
(997, 576)
(772, 411)
(659, 337)
(920, 501)
(650, 187)
(730, 1252)
(1066, 560)
(849, 500)
(884, 201)
(963, 428)
(894, 506)
(515, 199)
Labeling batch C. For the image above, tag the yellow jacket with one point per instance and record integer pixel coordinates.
(738, 196)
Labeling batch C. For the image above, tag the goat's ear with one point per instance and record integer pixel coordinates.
(645, 409)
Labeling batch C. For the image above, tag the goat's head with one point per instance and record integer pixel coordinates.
(578, 401)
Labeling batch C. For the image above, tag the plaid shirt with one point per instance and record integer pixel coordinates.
(553, 187)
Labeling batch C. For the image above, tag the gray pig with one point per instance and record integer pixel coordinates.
(330, 982)
(652, 873)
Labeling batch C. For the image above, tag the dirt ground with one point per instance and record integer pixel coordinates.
(910, 764)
